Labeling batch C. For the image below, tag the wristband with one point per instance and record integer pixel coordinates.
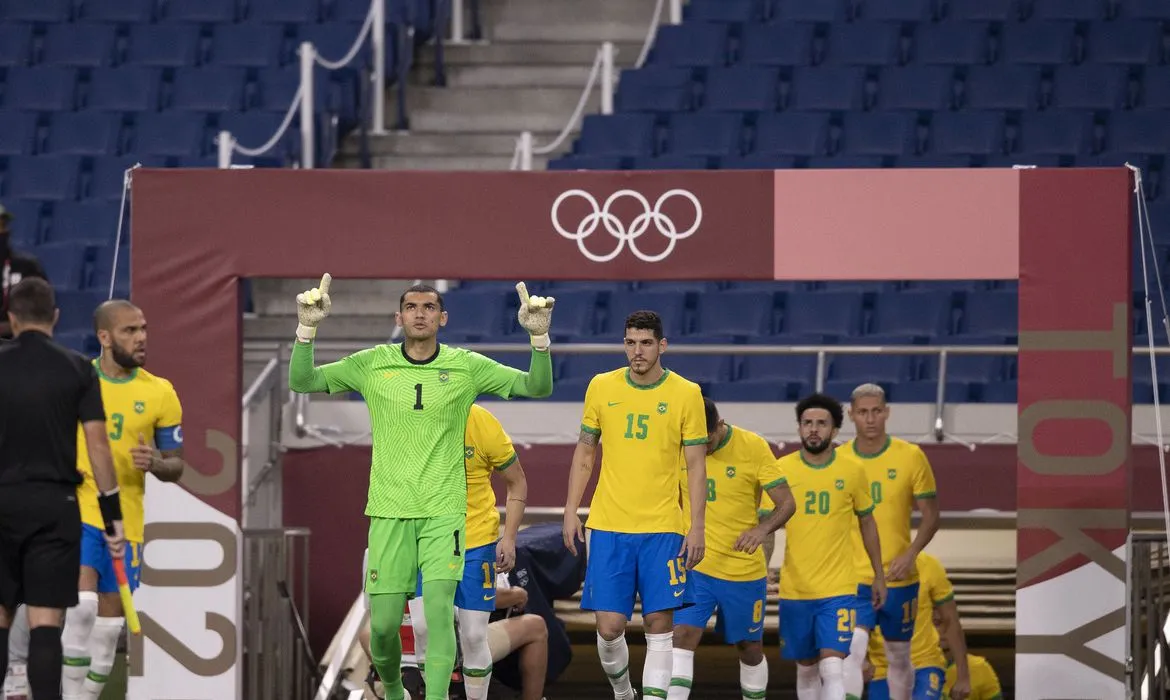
(540, 342)
(111, 507)
(305, 334)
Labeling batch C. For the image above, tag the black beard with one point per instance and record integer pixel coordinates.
(825, 444)
(123, 360)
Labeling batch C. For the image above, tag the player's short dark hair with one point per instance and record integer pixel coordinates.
(103, 315)
(712, 413)
(645, 321)
(830, 404)
(421, 289)
(32, 301)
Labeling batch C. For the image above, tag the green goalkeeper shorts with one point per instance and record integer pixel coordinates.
(400, 548)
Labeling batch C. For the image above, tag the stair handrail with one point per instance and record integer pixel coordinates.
(525, 146)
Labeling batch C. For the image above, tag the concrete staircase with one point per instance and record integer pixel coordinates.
(527, 75)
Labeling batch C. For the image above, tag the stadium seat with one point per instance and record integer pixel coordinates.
(41, 88)
(616, 135)
(741, 89)
(991, 313)
(832, 315)
(671, 161)
(170, 134)
(924, 391)
(920, 314)
(1090, 86)
(753, 391)
(792, 134)
(586, 366)
(778, 44)
(202, 11)
(1002, 87)
(163, 45)
(577, 316)
(1125, 42)
(63, 263)
(693, 45)
(916, 88)
(103, 266)
(105, 181)
(705, 134)
(743, 314)
(827, 88)
(278, 87)
(1139, 132)
(953, 44)
(284, 11)
(79, 45)
(1144, 9)
(659, 89)
(701, 369)
(572, 162)
(1056, 133)
(50, 178)
(880, 134)
(778, 368)
(77, 309)
(1074, 10)
(18, 131)
(253, 129)
(757, 161)
(972, 369)
(669, 305)
(119, 11)
(865, 44)
(208, 89)
(87, 223)
(900, 10)
(481, 315)
(999, 392)
(1156, 88)
(984, 10)
(124, 89)
(728, 11)
(1043, 43)
(871, 368)
(85, 134)
(247, 45)
(967, 133)
(28, 222)
(15, 44)
(819, 11)
(37, 10)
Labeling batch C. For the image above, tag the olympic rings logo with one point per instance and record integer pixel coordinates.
(602, 216)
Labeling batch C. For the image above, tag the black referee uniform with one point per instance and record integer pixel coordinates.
(45, 391)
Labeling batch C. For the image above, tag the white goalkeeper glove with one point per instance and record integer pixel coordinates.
(535, 315)
(312, 307)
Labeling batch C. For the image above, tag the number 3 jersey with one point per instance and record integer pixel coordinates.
(643, 430)
(142, 404)
(818, 546)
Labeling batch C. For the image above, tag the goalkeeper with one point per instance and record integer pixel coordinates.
(419, 393)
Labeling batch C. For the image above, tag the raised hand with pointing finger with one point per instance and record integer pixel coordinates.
(535, 316)
(312, 307)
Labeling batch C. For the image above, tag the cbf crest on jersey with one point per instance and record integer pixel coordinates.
(840, 484)
(730, 472)
(139, 406)
(444, 376)
(468, 451)
(892, 474)
(661, 407)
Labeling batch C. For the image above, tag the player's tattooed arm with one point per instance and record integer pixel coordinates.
(584, 456)
(169, 465)
(588, 438)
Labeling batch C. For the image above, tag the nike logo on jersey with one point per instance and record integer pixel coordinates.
(489, 597)
(844, 640)
(387, 375)
(613, 403)
(753, 630)
(678, 593)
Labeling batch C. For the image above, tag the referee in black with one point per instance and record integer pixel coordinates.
(45, 391)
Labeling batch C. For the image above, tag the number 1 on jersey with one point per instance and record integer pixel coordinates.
(418, 397)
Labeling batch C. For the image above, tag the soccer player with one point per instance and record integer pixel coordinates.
(488, 451)
(983, 683)
(144, 426)
(936, 598)
(732, 578)
(898, 476)
(419, 393)
(648, 420)
(818, 584)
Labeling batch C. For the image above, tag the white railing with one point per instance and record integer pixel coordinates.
(602, 70)
(303, 103)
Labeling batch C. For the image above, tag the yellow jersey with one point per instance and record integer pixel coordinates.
(898, 475)
(984, 682)
(934, 589)
(738, 471)
(487, 449)
(141, 404)
(643, 431)
(818, 559)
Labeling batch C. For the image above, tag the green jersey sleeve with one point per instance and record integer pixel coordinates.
(347, 374)
(491, 377)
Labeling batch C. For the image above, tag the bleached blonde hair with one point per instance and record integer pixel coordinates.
(868, 389)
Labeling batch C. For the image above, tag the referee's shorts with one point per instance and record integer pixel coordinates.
(40, 545)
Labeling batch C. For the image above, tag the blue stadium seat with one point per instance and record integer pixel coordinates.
(616, 135)
(577, 315)
(87, 223)
(1039, 160)
(661, 89)
(792, 134)
(202, 11)
(1076, 10)
(103, 265)
(586, 366)
(80, 45)
(702, 369)
(105, 181)
(570, 390)
(998, 392)
(15, 44)
(757, 161)
(701, 44)
(247, 45)
(170, 134)
(743, 314)
(85, 134)
(1058, 133)
(819, 11)
(119, 11)
(41, 88)
(749, 391)
(355, 10)
(917, 88)
(779, 368)
(1090, 86)
(953, 44)
(43, 177)
(672, 161)
(37, 10)
(995, 313)
(1144, 9)
(63, 263)
(278, 87)
(1003, 87)
(900, 10)
(920, 314)
(705, 134)
(741, 89)
(828, 314)
(1139, 132)
(475, 316)
(671, 306)
(77, 309)
(828, 88)
(845, 162)
(865, 44)
(163, 45)
(984, 10)
(967, 133)
(926, 391)
(1127, 42)
(880, 133)
(730, 11)
(253, 129)
(971, 369)
(572, 162)
(124, 89)
(28, 222)
(778, 44)
(1156, 88)
(284, 11)
(208, 89)
(1044, 43)
(871, 368)
(18, 131)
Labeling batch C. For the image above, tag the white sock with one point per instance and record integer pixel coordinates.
(103, 645)
(858, 648)
(418, 621)
(832, 678)
(477, 656)
(808, 682)
(659, 660)
(900, 677)
(615, 661)
(753, 680)
(681, 675)
(79, 622)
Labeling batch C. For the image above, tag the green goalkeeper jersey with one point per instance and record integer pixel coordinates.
(418, 416)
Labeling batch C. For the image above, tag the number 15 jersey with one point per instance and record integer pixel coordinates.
(643, 430)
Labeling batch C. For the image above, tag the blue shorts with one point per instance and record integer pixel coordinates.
(928, 685)
(622, 566)
(477, 589)
(96, 556)
(896, 618)
(808, 626)
(740, 605)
